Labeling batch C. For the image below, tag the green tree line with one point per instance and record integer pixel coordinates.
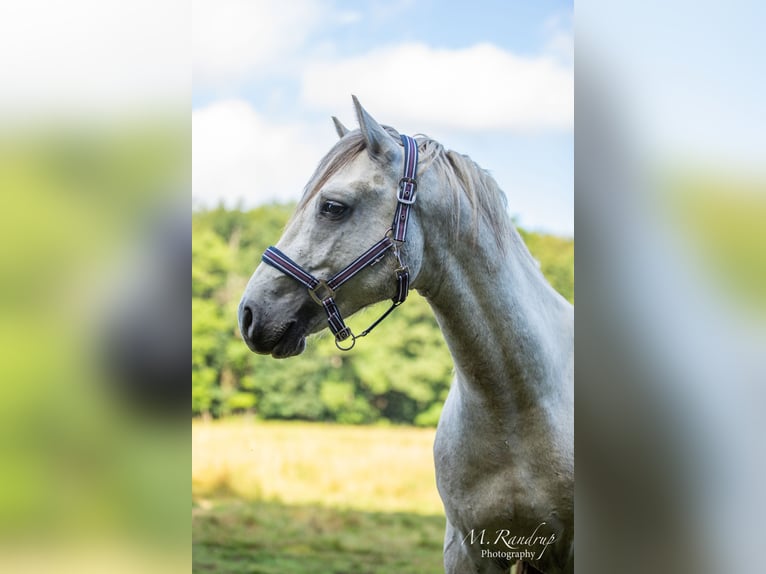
(403, 378)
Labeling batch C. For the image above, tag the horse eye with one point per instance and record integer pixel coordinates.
(333, 209)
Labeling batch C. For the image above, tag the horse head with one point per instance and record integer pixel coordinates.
(347, 206)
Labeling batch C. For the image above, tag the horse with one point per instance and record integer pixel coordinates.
(504, 445)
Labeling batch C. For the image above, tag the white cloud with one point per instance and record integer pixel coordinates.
(233, 39)
(478, 88)
(89, 56)
(237, 155)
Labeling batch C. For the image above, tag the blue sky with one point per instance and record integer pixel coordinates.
(490, 79)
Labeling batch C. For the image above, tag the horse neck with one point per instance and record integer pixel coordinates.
(510, 334)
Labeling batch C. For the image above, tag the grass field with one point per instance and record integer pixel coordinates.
(313, 498)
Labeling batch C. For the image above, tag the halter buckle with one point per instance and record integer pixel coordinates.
(319, 298)
(402, 183)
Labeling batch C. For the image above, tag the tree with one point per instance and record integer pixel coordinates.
(403, 377)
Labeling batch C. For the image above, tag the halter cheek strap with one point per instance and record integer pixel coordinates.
(323, 292)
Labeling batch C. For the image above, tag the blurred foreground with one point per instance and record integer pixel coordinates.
(94, 332)
(94, 259)
(670, 186)
(271, 538)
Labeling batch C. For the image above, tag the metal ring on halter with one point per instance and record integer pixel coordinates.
(397, 245)
(351, 346)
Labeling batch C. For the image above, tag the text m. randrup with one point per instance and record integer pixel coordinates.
(512, 542)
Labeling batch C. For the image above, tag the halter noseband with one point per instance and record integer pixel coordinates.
(323, 292)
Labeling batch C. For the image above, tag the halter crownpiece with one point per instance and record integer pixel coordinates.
(323, 292)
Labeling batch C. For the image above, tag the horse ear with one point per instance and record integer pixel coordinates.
(380, 144)
(339, 127)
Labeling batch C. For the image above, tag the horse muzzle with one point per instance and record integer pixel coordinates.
(265, 336)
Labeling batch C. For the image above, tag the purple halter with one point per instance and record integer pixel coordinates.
(323, 291)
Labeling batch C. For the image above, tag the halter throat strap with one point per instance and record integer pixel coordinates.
(323, 291)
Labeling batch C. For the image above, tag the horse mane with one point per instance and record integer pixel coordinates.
(459, 173)
(454, 171)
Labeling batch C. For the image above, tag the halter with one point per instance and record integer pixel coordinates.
(323, 291)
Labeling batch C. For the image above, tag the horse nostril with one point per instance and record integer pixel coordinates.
(253, 328)
(246, 321)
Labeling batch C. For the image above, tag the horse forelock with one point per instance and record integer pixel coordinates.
(339, 156)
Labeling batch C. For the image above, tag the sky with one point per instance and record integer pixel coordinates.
(490, 79)
(493, 80)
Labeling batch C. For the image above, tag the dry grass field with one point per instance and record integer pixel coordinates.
(272, 497)
(388, 469)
